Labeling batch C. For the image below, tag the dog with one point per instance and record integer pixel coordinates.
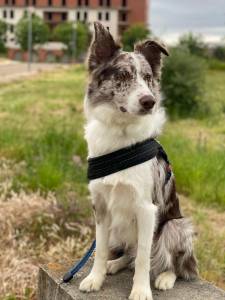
(137, 212)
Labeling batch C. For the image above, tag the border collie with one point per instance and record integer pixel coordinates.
(137, 211)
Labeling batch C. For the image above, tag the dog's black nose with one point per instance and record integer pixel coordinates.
(147, 102)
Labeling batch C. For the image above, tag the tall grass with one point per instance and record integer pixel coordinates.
(199, 169)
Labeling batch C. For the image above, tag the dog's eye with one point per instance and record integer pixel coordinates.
(123, 75)
(147, 77)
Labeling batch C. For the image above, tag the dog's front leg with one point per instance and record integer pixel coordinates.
(94, 280)
(145, 214)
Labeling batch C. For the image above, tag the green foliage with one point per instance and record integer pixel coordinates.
(40, 31)
(65, 33)
(183, 82)
(193, 43)
(219, 53)
(134, 34)
(3, 29)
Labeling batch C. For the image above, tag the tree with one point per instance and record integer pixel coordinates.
(134, 34)
(3, 29)
(40, 31)
(193, 43)
(65, 33)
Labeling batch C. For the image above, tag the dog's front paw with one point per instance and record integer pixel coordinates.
(92, 282)
(141, 293)
(165, 281)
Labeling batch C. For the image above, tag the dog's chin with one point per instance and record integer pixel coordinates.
(144, 112)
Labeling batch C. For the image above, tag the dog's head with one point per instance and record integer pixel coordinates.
(122, 83)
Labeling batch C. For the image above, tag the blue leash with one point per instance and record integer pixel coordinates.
(76, 268)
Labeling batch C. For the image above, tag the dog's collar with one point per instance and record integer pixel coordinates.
(125, 158)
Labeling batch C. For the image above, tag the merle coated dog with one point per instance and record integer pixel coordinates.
(137, 212)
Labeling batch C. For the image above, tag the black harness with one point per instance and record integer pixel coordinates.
(125, 158)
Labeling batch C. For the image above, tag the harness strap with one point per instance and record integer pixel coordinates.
(125, 158)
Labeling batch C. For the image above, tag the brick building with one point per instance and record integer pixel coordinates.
(117, 15)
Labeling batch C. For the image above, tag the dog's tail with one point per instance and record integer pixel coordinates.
(173, 250)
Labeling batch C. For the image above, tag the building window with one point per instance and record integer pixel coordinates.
(6, 2)
(63, 2)
(86, 2)
(11, 14)
(49, 16)
(99, 16)
(85, 16)
(107, 16)
(79, 2)
(11, 28)
(78, 16)
(124, 17)
(27, 2)
(34, 2)
(64, 16)
(49, 2)
(124, 3)
(13, 2)
(4, 14)
(101, 2)
(108, 3)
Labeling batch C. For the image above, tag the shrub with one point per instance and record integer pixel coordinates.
(64, 33)
(134, 34)
(193, 43)
(219, 53)
(183, 82)
(3, 29)
(40, 31)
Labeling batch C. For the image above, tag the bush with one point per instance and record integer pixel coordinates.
(193, 43)
(40, 31)
(134, 34)
(219, 53)
(183, 82)
(3, 29)
(64, 33)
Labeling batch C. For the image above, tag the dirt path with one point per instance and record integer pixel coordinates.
(12, 70)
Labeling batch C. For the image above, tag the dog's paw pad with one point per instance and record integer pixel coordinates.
(91, 283)
(141, 294)
(165, 281)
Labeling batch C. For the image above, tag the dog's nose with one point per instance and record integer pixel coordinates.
(147, 102)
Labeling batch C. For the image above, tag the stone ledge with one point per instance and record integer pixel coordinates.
(116, 287)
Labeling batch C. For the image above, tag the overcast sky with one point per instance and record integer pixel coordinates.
(170, 18)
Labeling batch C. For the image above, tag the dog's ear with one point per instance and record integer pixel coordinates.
(152, 51)
(102, 48)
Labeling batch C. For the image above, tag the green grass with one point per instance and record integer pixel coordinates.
(42, 124)
(199, 169)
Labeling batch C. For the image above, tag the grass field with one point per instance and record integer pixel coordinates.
(43, 187)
